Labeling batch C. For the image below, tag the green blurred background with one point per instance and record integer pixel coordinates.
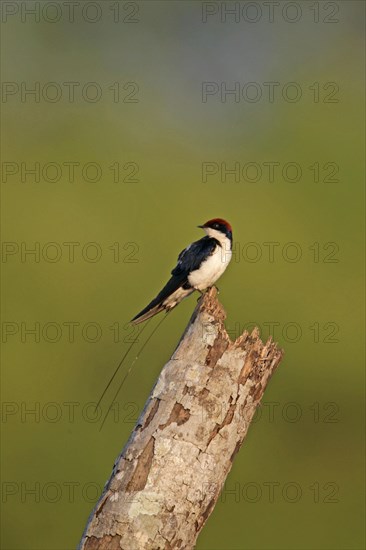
(298, 481)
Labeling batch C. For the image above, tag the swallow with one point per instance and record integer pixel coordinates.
(198, 268)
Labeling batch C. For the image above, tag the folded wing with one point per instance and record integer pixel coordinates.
(178, 287)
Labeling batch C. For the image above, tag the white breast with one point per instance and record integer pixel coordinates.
(211, 269)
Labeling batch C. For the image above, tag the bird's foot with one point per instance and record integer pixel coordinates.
(203, 292)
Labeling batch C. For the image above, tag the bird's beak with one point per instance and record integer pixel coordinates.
(201, 226)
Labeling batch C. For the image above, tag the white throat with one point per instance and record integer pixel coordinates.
(218, 235)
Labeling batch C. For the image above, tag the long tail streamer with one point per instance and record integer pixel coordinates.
(118, 367)
(130, 367)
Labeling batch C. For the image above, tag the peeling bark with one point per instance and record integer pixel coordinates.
(167, 480)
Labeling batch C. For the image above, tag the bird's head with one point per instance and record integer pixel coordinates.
(218, 229)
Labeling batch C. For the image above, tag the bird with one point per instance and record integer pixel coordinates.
(198, 267)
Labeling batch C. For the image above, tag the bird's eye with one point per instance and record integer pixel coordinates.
(216, 225)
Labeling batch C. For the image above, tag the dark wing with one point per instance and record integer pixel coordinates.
(156, 304)
(188, 260)
(191, 257)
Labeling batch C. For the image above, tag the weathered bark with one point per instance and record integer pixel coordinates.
(166, 481)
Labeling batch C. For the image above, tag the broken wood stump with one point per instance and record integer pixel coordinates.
(166, 481)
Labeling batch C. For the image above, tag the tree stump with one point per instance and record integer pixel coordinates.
(166, 481)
